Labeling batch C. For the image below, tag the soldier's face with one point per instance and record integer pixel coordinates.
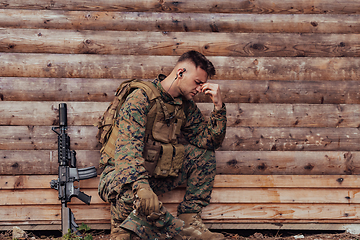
(192, 81)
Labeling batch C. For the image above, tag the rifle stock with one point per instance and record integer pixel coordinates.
(68, 174)
(68, 222)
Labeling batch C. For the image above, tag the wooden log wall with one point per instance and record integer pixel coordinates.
(288, 70)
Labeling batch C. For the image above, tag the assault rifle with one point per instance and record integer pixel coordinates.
(68, 174)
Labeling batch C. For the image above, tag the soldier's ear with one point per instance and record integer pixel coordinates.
(181, 73)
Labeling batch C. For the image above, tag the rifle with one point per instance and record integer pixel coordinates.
(68, 174)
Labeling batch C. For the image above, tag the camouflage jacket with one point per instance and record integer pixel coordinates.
(129, 162)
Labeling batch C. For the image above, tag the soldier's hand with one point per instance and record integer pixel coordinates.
(148, 201)
(213, 90)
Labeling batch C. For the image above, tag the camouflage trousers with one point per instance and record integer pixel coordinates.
(197, 172)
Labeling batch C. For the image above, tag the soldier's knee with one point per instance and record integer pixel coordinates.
(122, 205)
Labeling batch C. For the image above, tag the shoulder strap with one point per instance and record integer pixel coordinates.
(148, 87)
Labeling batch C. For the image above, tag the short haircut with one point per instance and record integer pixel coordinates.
(199, 60)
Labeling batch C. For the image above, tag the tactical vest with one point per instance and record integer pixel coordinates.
(162, 153)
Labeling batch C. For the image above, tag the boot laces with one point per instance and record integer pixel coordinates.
(197, 223)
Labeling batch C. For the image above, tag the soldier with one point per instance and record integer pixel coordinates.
(149, 159)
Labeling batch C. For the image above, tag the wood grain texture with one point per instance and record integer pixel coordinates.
(177, 43)
(146, 67)
(237, 138)
(179, 22)
(35, 162)
(25, 162)
(226, 212)
(232, 91)
(28, 182)
(238, 6)
(45, 113)
(287, 162)
(219, 196)
(291, 139)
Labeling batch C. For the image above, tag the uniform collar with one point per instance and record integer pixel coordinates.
(164, 94)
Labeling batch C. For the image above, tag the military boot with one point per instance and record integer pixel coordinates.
(196, 229)
(119, 233)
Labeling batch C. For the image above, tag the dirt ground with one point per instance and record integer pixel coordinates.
(276, 236)
(231, 235)
(299, 235)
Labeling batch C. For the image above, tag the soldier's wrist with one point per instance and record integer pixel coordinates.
(218, 108)
(139, 184)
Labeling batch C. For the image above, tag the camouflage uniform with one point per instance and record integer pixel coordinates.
(123, 174)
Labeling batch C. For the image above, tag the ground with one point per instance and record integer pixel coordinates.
(231, 235)
(299, 235)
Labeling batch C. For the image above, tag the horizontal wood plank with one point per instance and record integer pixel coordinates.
(23, 182)
(179, 22)
(273, 195)
(281, 211)
(58, 89)
(28, 182)
(236, 139)
(130, 66)
(238, 6)
(219, 196)
(291, 139)
(292, 115)
(32, 113)
(46, 197)
(43, 197)
(35, 162)
(286, 181)
(42, 161)
(287, 162)
(176, 43)
(214, 212)
(53, 213)
(42, 138)
(247, 91)
(20, 113)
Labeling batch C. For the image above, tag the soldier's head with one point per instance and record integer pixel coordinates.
(199, 60)
(191, 71)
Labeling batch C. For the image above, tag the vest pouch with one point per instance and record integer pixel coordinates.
(164, 164)
(151, 154)
(162, 131)
(166, 131)
(177, 161)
